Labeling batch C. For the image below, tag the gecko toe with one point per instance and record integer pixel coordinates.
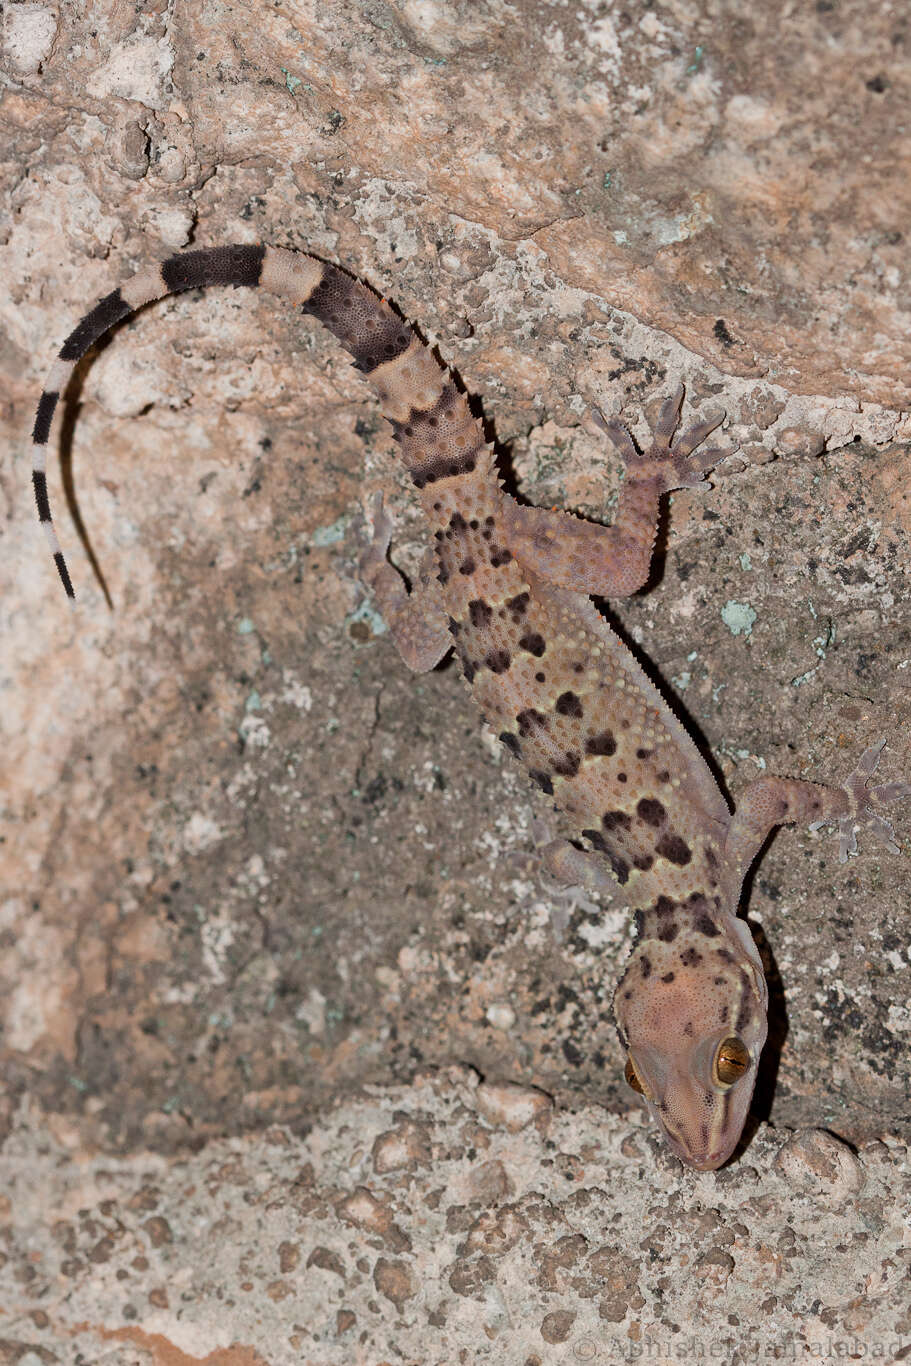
(374, 542)
(668, 418)
(864, 801)
(866, 764)
(847, 838)
(890, 792)
(618, 436)
(694, 436)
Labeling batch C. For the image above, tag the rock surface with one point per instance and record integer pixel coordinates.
(248, 865)
(407, 1227)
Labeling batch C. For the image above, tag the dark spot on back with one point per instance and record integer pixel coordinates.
(668, 977)
(479, 612)
(468, 566)
(616, 820)
(529, 719)
(643, 862)
(518, 605)
(568, 766)
(724, 1012)
(620, 868)
(674, 849)
(663, 776)
(650, 810)
(533, 643)
(644, 753)
(705, 925)
(498, 661)
(499, 556)
(568, 704)
(690, 958)
(646, 966)
(667, 931)
(603, 743)
(542, 780)
(511, 742)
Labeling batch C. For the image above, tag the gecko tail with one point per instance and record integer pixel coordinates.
(233, 265)
(440, 439)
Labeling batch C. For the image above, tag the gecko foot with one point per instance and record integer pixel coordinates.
(672, 462)
(375, 543)
(863, 802)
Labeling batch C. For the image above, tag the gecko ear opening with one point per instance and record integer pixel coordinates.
(633, 1080)
(731, 1061)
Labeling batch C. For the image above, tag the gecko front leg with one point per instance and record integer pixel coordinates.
(416, 621)
(778, 801)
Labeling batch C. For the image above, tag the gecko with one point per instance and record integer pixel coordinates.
(509, 588)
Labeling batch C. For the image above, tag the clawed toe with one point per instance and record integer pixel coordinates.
(862, 799)
(694, 436)
(890, 792)
(617, 434)
(671, 461)
(375, 541)
(668, 418)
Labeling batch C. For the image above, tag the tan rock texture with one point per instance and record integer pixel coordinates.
(595, 1247)
(248, 864)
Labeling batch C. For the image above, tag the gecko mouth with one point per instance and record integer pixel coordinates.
(703, 1156)
(700, 1162)
(707, 1164)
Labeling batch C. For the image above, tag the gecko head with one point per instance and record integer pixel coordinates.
(692, 1016)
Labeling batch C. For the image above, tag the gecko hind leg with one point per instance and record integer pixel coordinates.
(613, 561)
(416, 621)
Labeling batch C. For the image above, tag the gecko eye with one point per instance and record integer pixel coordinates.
(633, 1079)
(731, 1061)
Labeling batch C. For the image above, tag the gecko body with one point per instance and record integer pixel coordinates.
(510, 592)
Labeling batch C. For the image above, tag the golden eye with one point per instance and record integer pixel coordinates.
(731, 1061)
(633, 1080)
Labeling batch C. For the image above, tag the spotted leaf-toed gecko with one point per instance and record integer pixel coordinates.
(565, 696)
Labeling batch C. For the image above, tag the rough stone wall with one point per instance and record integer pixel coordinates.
(247, 863)
(449, 1221)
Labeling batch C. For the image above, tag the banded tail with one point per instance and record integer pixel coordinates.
(415, 392)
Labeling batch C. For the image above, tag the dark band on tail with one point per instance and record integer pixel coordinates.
(39, 484)
(239, 265)
(44, 417)
(439, 439)
(350, 311)
(64, 573)
(112, 309)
